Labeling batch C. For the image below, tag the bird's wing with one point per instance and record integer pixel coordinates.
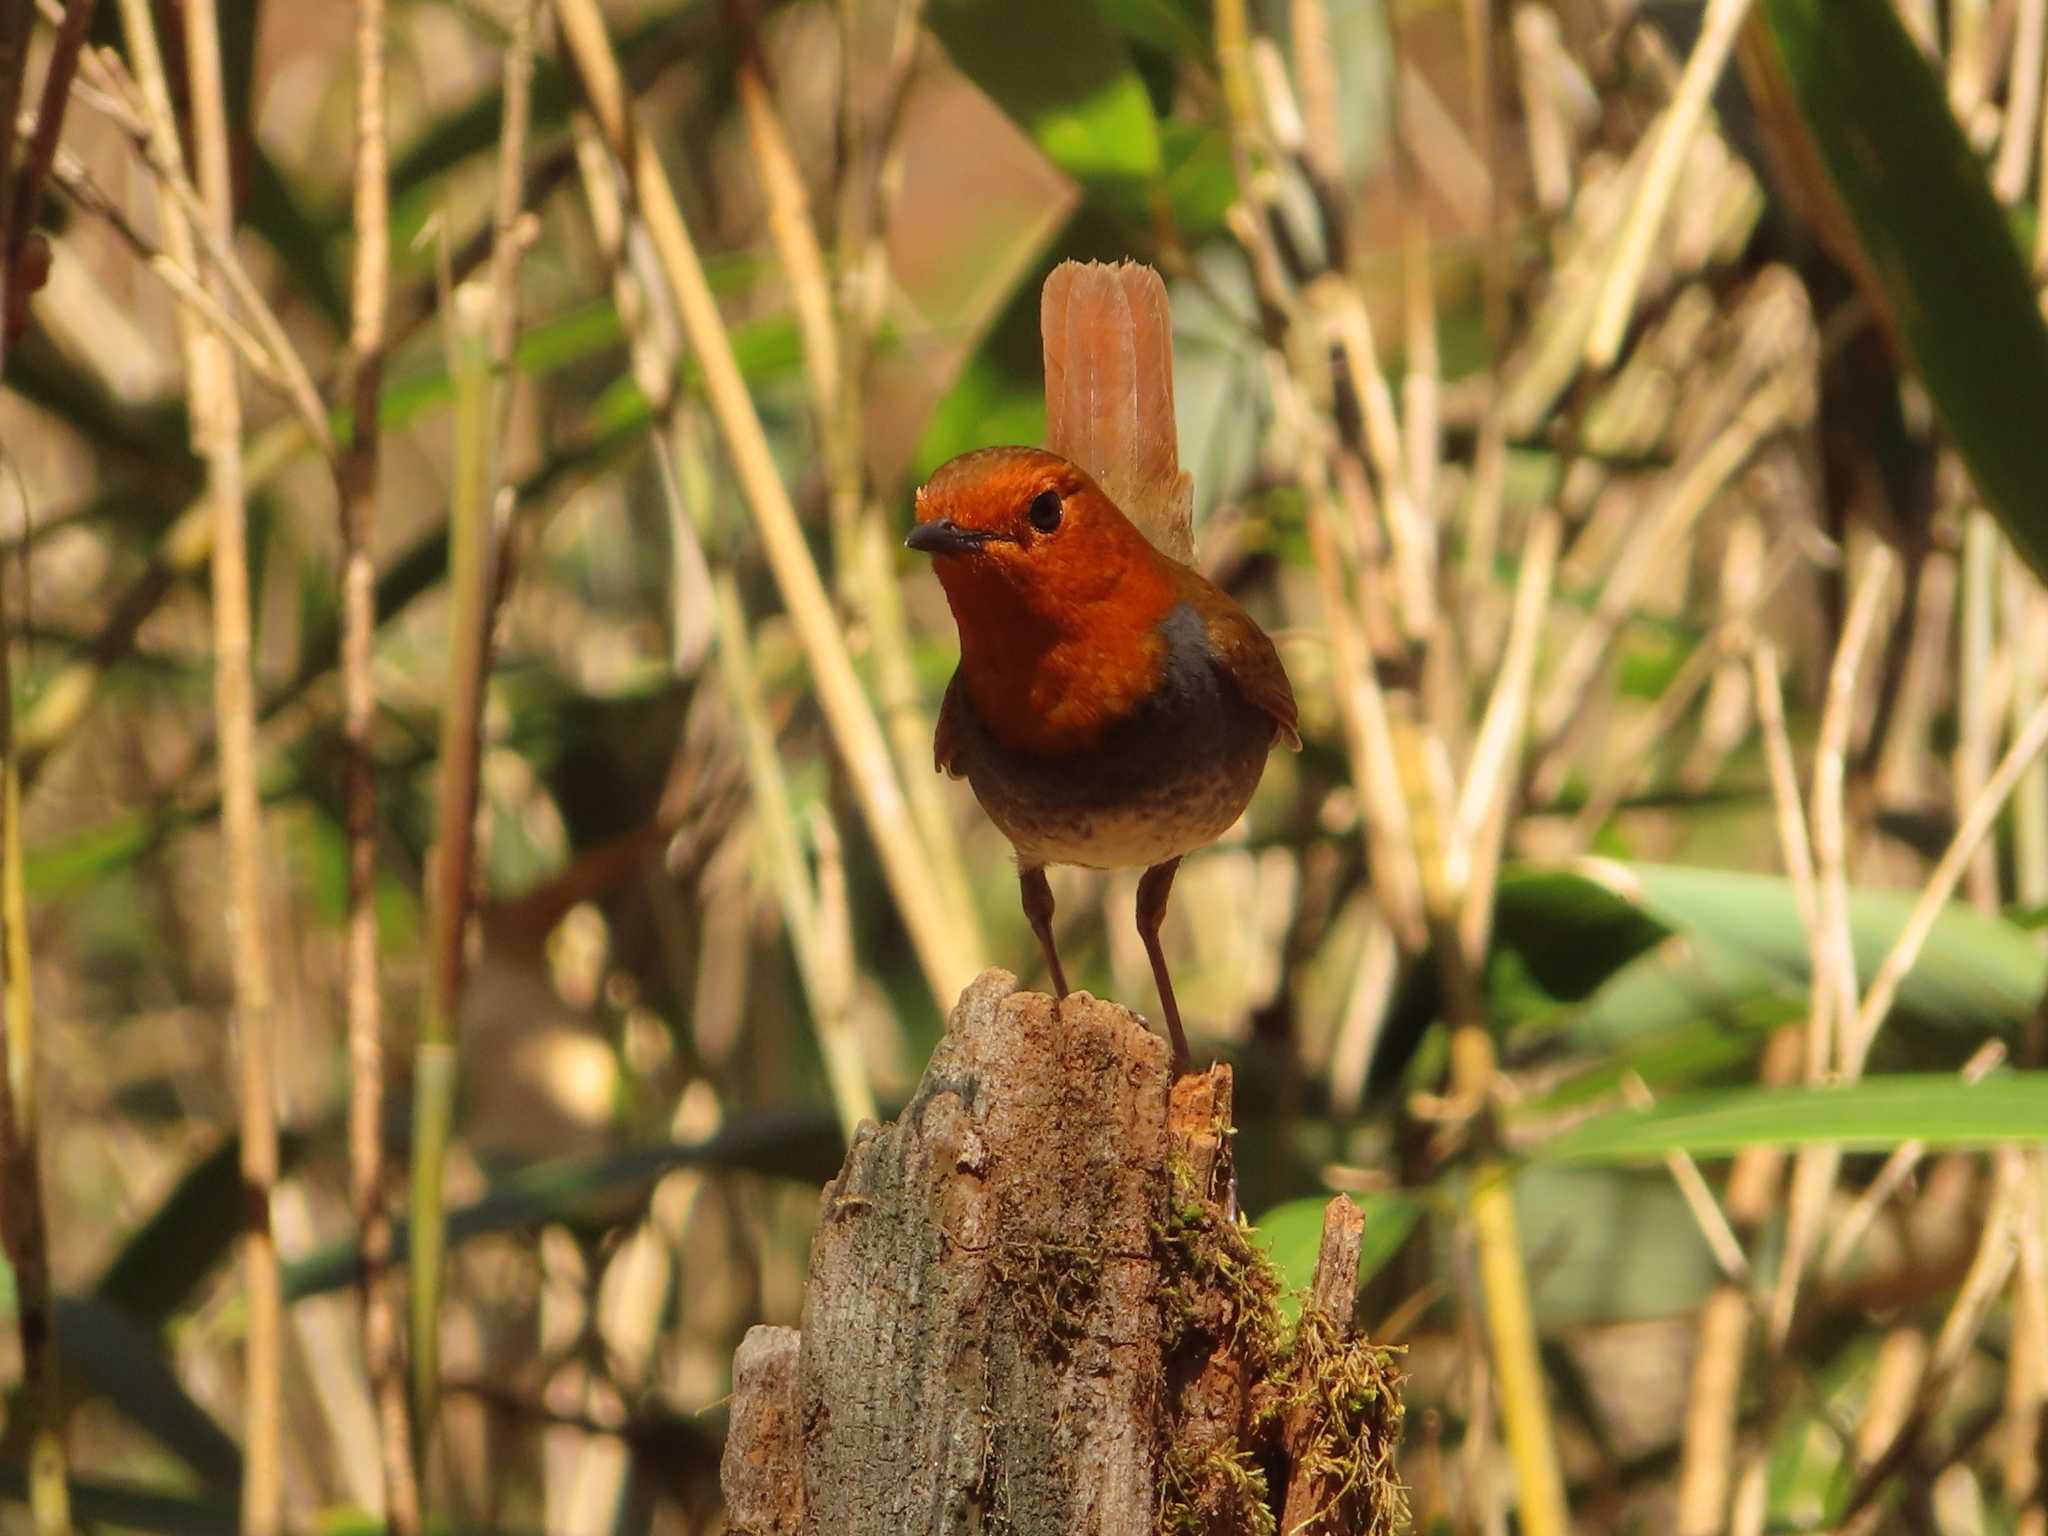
(1244, 651)
(952, 723)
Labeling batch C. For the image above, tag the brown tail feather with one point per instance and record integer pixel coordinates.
(1108, 341)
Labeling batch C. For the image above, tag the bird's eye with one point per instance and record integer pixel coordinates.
(1046, 511)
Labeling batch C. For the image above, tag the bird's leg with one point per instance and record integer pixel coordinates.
(1152, 893)
(1037, 896)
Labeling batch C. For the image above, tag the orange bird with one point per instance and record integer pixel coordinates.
(1112, 708)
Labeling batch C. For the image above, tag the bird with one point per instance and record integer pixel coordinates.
(1113, 708)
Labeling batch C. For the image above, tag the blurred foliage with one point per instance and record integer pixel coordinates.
(644, 1095)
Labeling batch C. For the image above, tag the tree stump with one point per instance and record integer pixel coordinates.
(1032, 1309)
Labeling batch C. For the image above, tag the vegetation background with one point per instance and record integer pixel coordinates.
(1627, 418)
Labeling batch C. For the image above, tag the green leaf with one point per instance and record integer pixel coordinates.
(1873, 1115)
(1061, 72)
(1976, 975)
(1291, 1235)
(1603, 1245)
(135, 1507)
(109, 1355)
(185, 1238)
(1934, 238)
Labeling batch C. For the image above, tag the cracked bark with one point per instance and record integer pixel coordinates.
(1011, 1324)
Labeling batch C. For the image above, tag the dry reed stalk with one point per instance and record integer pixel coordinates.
(1793, 844)
(216, 422)
(1885, 1445)
(1978, 819)
(128, 107)
(1670, 141)
(1626, 763)
(1707, 1469)
(2026, 1399)
(1361, 708)
(1725, 713)
(863, 554)
(1549, 139)
(1409, 533)
(1833, 962)
(1898, 1167)
(1422, 385)
(2018, 140)
(1977, 712)
(906, 863)
(1715, 1227)
(383, 1345)
(1365, 1013)
(1485, 798)
(24, 1220)
(1779, 403)
(2024, 610)
(818, 959)
(218, 433)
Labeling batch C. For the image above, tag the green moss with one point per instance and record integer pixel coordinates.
(1218, 1488)
(1344, 1397)
(1335, 1401)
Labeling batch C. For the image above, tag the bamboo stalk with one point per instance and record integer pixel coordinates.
(481, 318)
(906, 864)
(383, 1351)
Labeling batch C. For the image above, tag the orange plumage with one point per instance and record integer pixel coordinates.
(1112, 708)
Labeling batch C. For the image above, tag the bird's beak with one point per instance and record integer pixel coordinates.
(943, 536)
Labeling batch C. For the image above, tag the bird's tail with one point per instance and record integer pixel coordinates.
(1109, 393)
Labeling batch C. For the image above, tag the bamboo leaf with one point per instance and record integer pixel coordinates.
(1060, 70)
(1873, 1115)
(109, 1355)
(1931, 236)
(1745, 945)
(798, 1144)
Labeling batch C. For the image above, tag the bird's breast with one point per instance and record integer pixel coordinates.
(1165, 776)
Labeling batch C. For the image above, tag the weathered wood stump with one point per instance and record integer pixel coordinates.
(1032, 1309)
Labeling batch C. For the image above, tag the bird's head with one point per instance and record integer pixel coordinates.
(1023, 528)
